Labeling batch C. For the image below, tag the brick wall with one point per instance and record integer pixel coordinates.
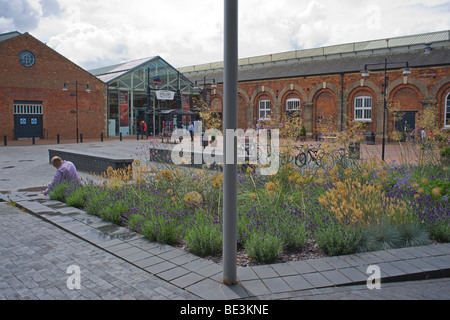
(333, 97)
(44, 82)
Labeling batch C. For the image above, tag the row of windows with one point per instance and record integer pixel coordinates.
(27, 108)
(363, 109)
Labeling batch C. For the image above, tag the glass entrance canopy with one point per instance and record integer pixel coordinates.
(131, 84)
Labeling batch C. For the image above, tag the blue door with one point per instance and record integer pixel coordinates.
(28, 120)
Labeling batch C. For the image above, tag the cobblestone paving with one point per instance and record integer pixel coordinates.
(35, 255)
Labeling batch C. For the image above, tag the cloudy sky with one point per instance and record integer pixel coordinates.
(97, 33)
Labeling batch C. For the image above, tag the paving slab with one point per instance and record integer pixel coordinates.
(203, 278)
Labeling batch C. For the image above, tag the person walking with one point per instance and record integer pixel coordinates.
(143, 127)
(191, 131)
(65, 172)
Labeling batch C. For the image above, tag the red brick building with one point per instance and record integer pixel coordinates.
(32, 100)
(326, 84)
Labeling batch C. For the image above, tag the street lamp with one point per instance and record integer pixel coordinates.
(365, 74)
(76, 84)
(230, 146)
(213, 84)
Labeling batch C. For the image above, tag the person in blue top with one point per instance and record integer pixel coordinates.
(191, 130)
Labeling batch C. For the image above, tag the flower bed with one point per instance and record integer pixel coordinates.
(357, 207)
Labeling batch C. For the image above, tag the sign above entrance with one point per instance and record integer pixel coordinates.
(165, 95)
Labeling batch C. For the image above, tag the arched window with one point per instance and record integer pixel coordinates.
(264, 110)
(293, 105)
(363, 109)
(447, 112)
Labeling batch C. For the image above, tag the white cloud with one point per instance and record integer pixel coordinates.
(97, 33)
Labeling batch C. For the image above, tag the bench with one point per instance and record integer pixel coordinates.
(325, 138)
(91, 163)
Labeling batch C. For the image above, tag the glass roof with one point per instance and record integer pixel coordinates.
(134, 75)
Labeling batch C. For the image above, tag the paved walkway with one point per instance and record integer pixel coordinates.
(105, 251)
(39, 243)
(35, 256)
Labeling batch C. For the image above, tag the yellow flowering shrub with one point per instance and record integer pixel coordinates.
(116, 178)
(165, 175)
(363, 203)
(193, 199)
(271, 186)
(217, 181)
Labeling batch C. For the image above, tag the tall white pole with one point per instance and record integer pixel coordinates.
(230, 123)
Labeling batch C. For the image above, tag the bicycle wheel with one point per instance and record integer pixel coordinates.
(301, 159)
(325, 161)
(286, 158)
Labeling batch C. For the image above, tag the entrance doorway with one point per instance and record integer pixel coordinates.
(405, 123)
(28, 122)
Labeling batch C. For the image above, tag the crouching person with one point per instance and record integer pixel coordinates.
(65, 172)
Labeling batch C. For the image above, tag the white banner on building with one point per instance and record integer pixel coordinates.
(165, 95)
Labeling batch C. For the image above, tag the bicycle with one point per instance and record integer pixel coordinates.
(315, 155)
(343, 158)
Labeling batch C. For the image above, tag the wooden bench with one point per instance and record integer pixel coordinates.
(91, 163)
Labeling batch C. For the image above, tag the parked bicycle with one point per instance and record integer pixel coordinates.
(315, 155)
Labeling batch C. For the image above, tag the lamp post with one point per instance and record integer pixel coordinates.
(205, 89)
(365, 74)
(213, 84)
(76, 84)
(230, 124)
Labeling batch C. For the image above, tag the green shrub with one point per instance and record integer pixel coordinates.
(114, 212)
(413, 235)
(59, 192)
(95, 204)
(263, 248)
(445, 152)
(303, 131)
(204, 240)
(337, 240)
(380, 237)
(78, 197)
(135, 221)
(437, 188)
(148, 230)
(296, 238)
(160, 230)
(439, 231)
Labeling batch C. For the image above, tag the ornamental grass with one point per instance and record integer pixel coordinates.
(354, 206)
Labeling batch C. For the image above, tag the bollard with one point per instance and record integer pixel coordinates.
(120, 135)
(81, 138)
(34, 141)
(57, 138)
(101, 137)
(137, 136)
(5, 140)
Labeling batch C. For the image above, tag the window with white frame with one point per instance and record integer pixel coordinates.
(264, 110)
(25, 107)
(447, 112)
(292, 105)
(363, 109)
